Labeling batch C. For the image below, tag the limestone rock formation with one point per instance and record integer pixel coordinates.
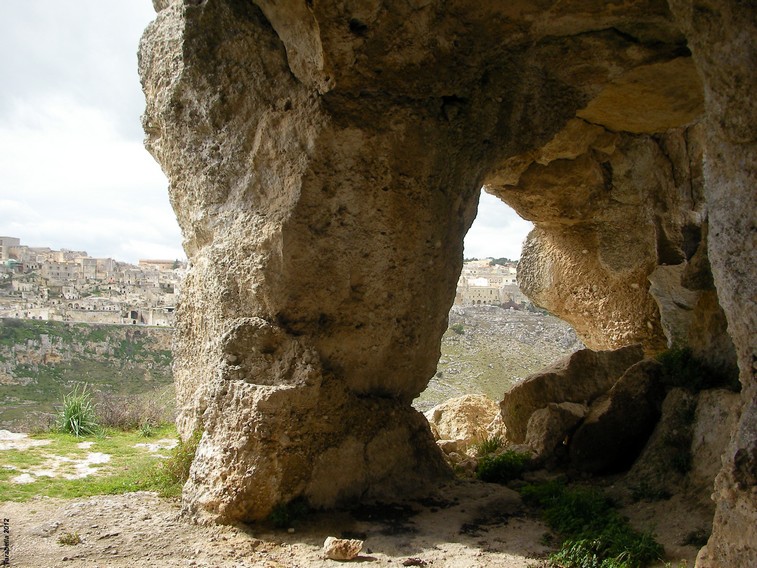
(549, 430)
(324, 161)
(465, 419)
(619, 423)
(579, 378)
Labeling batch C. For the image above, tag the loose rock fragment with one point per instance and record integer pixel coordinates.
(341, 549)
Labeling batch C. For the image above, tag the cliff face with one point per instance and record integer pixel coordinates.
(324, 161)
(41, 361)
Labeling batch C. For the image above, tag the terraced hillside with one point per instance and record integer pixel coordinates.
(488, 349)
(40, 361)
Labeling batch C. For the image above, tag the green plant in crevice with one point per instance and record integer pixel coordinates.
(458, 328)
(171, 475)
(593, 534)
(502, 468)
(681, 368)
(77, 415)
(489, 445)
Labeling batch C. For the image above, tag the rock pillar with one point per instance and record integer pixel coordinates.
(723, 39)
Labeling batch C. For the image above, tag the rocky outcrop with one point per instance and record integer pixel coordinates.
(324, 161)
(579, 378)
(466, 420)
(549, 430)
(619, 423)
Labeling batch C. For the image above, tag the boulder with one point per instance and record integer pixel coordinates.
(549, 428)
(464, 419)
(579, 378)
(619, 423)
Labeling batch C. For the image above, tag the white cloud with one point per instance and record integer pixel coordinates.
(498, 231)
(73, 170)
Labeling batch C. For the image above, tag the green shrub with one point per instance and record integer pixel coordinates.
(681, 368)
(171, 475)
(502, 468)
(593, 533)
(458, 328)
(69, 539)
(77, 416)
(489, 445)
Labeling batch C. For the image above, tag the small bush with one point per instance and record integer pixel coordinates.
(77, 416)
(69, 539)
(680, 368)
(502, 468)
(146, 430)
(489, 445)
(458, 328)
(128, 412)
(594, 535)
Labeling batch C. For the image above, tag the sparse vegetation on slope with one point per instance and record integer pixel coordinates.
(591, 531)
(488, 349)
(41, 361)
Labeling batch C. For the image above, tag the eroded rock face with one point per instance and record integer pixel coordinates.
(723, 39)
(324, 161)
(580, 378)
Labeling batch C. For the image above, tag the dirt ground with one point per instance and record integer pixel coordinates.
(470, 524)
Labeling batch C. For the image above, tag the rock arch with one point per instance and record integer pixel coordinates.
(324, 160)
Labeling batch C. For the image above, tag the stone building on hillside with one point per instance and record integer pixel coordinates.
(483, 283)
(5, 244)
(66, 285)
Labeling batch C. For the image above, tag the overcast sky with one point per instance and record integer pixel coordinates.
(73, 171)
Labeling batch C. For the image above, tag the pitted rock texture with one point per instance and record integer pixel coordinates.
(324, 161)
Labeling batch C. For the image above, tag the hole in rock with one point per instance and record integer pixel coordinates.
(495, 337)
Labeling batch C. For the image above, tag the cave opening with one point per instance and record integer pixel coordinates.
(495, 336)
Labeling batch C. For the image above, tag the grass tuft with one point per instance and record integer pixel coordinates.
(489, 445)
(171, 475)
(77, 416)
(69, 539)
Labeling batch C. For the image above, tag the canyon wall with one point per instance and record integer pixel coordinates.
(324, 163)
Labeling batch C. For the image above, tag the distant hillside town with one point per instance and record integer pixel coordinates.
(490, 282)
(67, 285)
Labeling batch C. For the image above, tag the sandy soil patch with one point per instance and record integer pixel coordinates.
(470, 525)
